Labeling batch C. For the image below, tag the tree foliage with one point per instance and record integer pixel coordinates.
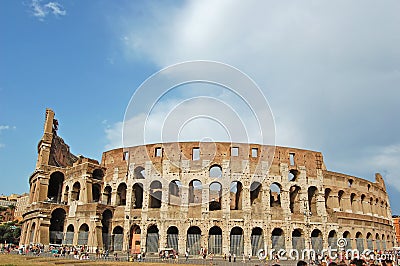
(10, 233)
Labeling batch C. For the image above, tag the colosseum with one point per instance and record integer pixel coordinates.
(221, 197)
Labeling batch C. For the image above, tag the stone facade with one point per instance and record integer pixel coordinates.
(223, 197)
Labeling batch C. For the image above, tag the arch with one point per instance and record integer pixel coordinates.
(359, 241)
(215, 196)
(134, 239)
(255, 193)
(328, 201)
(83, 235)
(54, 188)
(215, 240)
(66, 192)
(275, 195)
(195, 192)
(172, 237)
(139, 172)
(215, 171)
(347, 236)
(353, 202)
(137, 196)
(236, 191)
(121, 194)
(174, 193)
(32, 233)
(237, 241)
(56, 228)
(378, 245)
(312, 200)
(76, 189)
(69, 235)
(350, 182)
(257, 240)
(316, 240)
(193, 240)
(152, 239)
(106, 224)
(155, 194)
(96, 192)
(298, 240)
(292, 175)
(383, 242)
(332, 239)
(98, 174)
(340, 199)
(294, 194)
(370, 244)
(107, 195)
(363, 209)
(278, 239)
(118, 238)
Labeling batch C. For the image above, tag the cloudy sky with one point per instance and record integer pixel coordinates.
(330, 71)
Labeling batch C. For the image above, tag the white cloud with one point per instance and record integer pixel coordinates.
(4, 128)
(330, 70)
(41, 10)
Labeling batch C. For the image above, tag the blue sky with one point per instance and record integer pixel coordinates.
(330, 71)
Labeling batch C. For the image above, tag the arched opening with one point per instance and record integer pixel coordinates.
(360, 241)
(352, 202)
(152, 239)
(65, 197)
(332, 239)
(350, 182)
(328, 201)
(137, 196)
(98, 174)
(347, 236)
(236, 241)
(57, 226)
(256, 195)
(292, 176)
(298, 241)
(96, 192)
(383, 242)
(363, 209)
(278, 239)
(275, 195)
(121, 194)
(134, 239)
(370, 244)
(107, 195)
(155, 194)
(193, 242)
(172, 237)
(312, 200)
(316, 240)
(215, 171)
(195, 192)
(215, 196)
(236, 195)
(295, 199)
(378, 245)
(118, 238)
(174, 193)
(215, 240)
(76, 189)
(257, 240)
(83, 235)
(32, 233)
(54, 188)
(139, 172)
(340, 201)
(106, 225)
(69, 235)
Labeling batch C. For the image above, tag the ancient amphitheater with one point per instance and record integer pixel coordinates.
(222, 197)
